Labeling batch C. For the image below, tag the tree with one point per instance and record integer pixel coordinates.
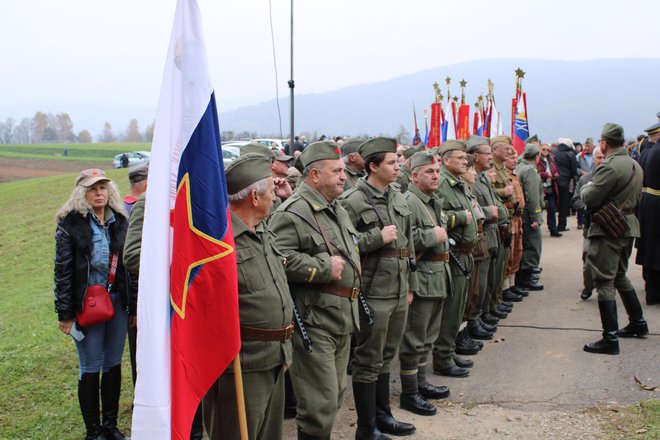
(133, 132)
(23, 132)
(39, 124)
(107, 135)
(85, 137)
(226, 135)
(149, 132)
(64, 128)
(403, 136)
(49, 135)
(6, 131)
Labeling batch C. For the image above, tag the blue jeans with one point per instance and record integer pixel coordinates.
(103, 346)
(551, 200)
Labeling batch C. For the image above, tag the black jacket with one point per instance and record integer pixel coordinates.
(566, 165)
(73, 250)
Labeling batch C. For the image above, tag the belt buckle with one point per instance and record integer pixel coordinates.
(402, 252)
(288, 332)
(355, 291)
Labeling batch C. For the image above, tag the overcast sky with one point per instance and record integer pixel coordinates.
(56, 52)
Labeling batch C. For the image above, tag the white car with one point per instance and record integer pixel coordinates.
(229, 153)
(133, 158)
(270, 143)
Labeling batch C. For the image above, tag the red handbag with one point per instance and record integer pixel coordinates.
(97, 305)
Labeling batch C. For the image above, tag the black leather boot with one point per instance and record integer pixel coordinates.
(110, 390)
(610, 342)
(88, 397)
(197, 429)
(384, 420)
(304, 436)
(364, 395)
(637, 326)
(290, 401)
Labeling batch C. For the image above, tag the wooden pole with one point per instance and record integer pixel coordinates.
(240, 398)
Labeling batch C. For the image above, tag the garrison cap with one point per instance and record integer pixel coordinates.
(280, 156)
(351, 145)
(377, 145)
(475, 141)
(422, 158)
(138, 174)
(531, 151)
(653, 129)
(256, 147)
(409, 152)
(532, 139)
(505, 139)
(245, 170)
(322, 150)
(451, 145)
(91, 176)
(614, 132)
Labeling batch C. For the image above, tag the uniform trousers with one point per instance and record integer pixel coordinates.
(586, 276)
(422, 328)
(532, 242)
(607, 261)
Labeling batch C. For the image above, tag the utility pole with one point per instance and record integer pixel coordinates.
(292, 85)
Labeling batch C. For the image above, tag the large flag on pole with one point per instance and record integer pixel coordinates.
(519, 125)
(449, 124)
(188, 301)
(416, 138)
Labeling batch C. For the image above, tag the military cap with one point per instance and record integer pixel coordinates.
(138, 174)
(653, 129)
(322, 150)
(351, 145)
(505, 139)
(297, 164)
(451, 145)
(256, 147)
(377, 145)
(613, 132)
(280, 156)
(408, 153)
(475, 141)
(422, 158)
(245, 170)
(531, 151)
(91, 176)
(532, 139)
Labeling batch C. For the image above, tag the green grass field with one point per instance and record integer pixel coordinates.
(82, 152)
(38, 364)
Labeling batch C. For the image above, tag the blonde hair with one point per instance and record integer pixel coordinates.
(78, 203)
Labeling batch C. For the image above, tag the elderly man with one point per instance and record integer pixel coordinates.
(265, 310)
(381, 215)
(616, 184)
(317, 238)
(578, 205)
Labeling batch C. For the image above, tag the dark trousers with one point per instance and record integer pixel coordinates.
(551, 199)
(652, 285)
(564, 206)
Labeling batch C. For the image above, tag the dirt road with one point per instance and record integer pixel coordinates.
(533, 381)
(16, 169)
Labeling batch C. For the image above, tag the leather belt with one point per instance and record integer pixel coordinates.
(267, 334)
(465, 248)
(652, 191)
(395, 252)
(436, 257)
(627, 211)
(344, 292)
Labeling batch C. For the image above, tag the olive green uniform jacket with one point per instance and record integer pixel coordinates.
(532, 186)
(486, 196)
(403, 178)
(455, 203)
(352, 177)
(501, 181)
(133, 242)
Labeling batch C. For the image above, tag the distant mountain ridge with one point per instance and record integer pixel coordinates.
(564, 99)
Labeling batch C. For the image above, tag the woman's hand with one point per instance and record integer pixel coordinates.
(65, 326)
(132, 321)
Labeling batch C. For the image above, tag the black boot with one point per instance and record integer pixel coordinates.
(88, 397)
(384, 420)
(197, 429)
(110, 390)
(364, 395)
(610, 342)
(290, 401)
(303, 436)
(637, 326)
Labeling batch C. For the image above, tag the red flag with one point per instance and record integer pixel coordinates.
(436, 125)
(463, 122)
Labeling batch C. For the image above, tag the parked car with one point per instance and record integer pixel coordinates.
(132, 159)
(270, 143)
(229, 153)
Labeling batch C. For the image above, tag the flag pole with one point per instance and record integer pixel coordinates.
(240, 397)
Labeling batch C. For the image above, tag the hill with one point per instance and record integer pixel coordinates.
(564, 98)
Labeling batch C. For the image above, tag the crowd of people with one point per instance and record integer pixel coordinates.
(353, 251)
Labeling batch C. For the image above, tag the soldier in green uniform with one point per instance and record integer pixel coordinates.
(433, 272)
(532, 216)
(353, 161)
(617, 179)
(403, 178)
(265, 311)
(463, 230)
(318, 239)
(381, 215)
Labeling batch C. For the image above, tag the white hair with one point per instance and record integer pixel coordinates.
(78, 202)
(260, 186)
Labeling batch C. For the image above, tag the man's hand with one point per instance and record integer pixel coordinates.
(282, 188)
(495, 213)
(440, 234)
(508, 190)
(132, 321)
(388, 233)
(468, 217)
(409, 297)
(535, 225)
(337, 266)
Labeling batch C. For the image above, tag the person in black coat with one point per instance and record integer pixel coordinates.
(567, 167)
(89, 241)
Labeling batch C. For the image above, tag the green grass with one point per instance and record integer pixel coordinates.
(81, 152)
(38, 364)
